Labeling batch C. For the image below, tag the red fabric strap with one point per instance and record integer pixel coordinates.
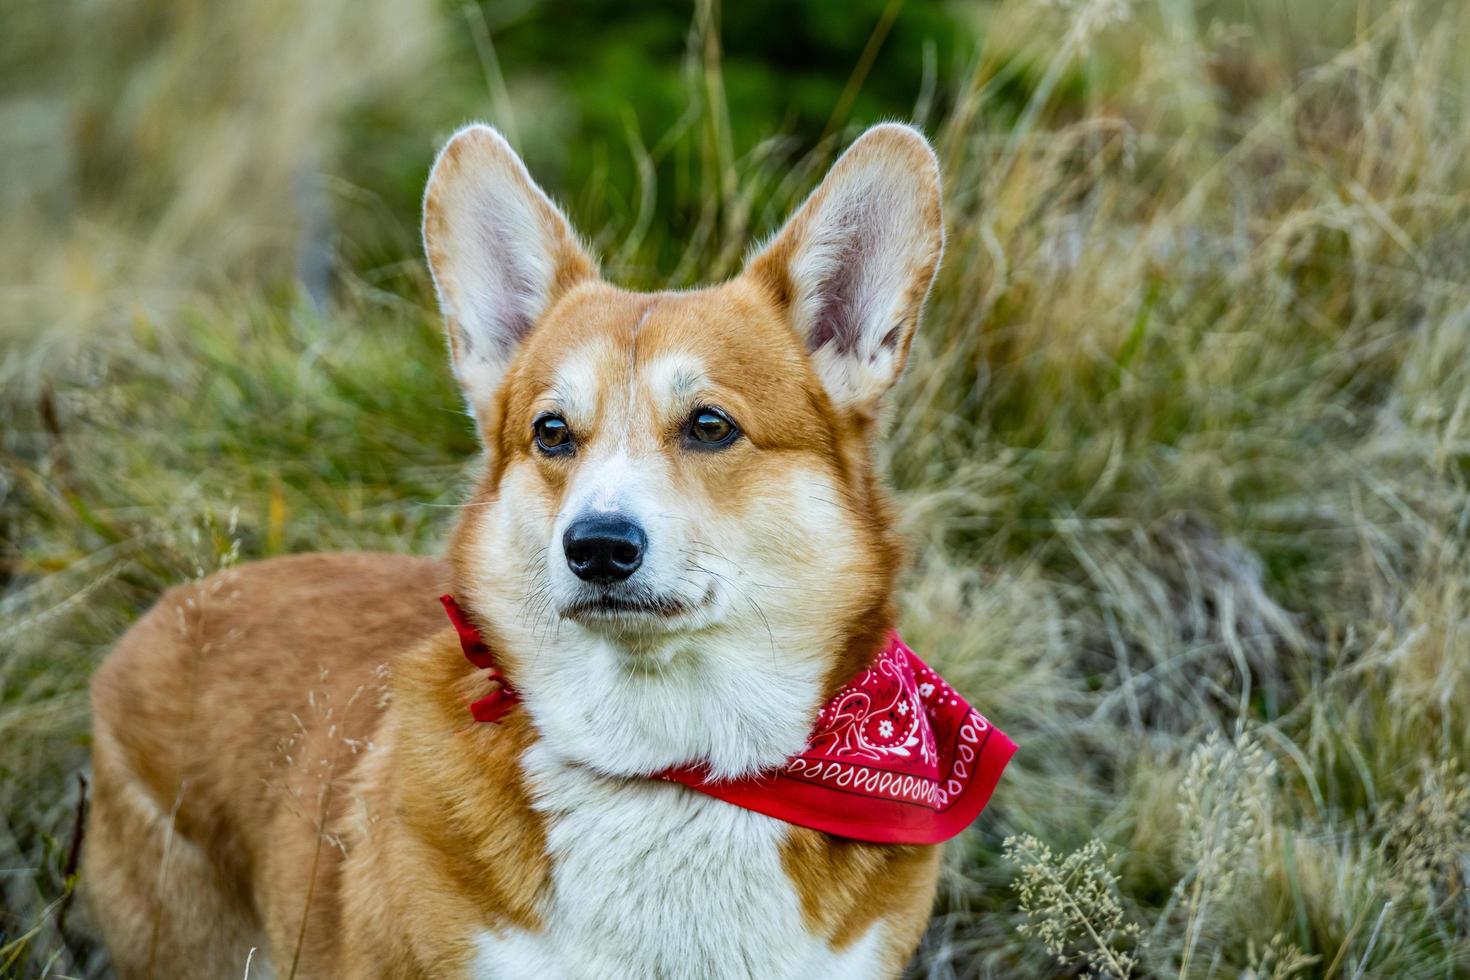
(495, 705)
(896, 756)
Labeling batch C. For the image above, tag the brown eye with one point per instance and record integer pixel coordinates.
(553, 436)
(710, 428)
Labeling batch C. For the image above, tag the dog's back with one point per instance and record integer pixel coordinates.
(227, 723)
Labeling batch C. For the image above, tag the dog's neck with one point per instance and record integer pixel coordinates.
(734, 703)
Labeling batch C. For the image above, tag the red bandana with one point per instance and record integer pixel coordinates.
(896, 757)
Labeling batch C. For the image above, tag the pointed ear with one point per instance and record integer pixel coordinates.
(500, 251)
(852, 267)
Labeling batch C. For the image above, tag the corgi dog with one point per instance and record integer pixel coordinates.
(676, 551)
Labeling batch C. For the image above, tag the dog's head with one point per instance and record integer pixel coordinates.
(679, 545)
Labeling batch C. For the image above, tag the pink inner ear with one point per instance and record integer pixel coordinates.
(837, 318)
(500, 253)
(514, 291)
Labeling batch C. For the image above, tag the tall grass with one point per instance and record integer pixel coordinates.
(1183, 453)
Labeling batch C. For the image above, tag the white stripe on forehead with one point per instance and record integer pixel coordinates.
(580, 379)
(671, 379)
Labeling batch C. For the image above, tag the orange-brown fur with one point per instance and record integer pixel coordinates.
(283, 754)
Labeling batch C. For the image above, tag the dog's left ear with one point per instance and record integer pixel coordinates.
(852, 267)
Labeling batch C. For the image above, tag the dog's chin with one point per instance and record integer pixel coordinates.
(611, 614)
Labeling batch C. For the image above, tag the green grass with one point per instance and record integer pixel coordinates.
(1183, 453)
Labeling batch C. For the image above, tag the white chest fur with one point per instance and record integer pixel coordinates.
(652, 880)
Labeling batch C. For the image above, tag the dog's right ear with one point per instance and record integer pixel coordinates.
(500, 251)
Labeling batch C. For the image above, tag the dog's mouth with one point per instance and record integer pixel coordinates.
(611, 608)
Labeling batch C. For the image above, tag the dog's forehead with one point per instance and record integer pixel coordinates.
(663, 347)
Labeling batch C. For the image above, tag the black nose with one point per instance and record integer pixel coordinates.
(604, 549)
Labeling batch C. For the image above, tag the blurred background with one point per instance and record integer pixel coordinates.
(1183, 453)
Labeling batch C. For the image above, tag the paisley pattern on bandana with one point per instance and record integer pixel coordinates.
(896, 757)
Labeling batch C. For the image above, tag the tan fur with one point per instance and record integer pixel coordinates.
(847, 886)
(212, 721)
(283, 754)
